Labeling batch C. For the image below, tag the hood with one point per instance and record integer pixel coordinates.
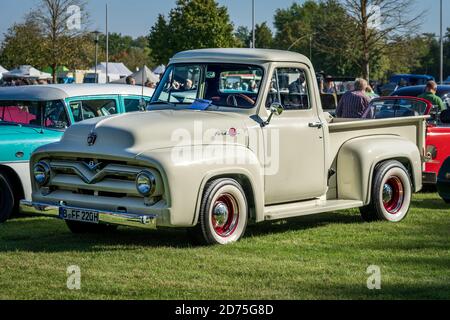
(145, 131)
(23, 140)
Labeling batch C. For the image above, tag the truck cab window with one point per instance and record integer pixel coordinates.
(289, 87)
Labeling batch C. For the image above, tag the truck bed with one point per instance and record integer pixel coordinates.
(342, 130)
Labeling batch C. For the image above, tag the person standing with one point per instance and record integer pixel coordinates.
(354, 103)
(430, 95)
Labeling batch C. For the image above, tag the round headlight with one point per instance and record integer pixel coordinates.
(145, 183)
(41, 172)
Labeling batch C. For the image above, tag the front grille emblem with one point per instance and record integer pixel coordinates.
(92, 165)
(92, 137)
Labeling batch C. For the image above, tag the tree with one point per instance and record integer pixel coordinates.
(263, 36)
(243, 37)
(192, 24)
(63, 24)
(23, 45)
(134, 53)
(117, 43)
(320, 30)
(378, 24)
(135, 58)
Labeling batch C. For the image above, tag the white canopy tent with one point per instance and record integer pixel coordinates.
(114, 68)
(2, 71)
(141, 77)
(26, 72)
(159, 69)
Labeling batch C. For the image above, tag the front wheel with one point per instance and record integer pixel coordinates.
(391, 193)
(223, 213)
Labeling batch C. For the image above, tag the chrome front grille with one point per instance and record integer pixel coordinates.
(95, 178)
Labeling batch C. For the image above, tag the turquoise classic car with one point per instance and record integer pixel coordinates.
(31, 116)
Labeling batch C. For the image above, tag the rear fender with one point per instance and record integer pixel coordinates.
(358, 158)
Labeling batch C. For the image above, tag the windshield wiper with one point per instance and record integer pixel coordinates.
(163, 102)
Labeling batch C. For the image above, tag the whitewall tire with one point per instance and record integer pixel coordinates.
(223, 213)
(391, 193)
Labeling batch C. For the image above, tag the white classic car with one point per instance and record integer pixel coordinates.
(32, 116)
(213, 154)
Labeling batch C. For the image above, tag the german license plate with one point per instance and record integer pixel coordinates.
(80, 215)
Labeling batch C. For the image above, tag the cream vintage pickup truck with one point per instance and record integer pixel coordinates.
(233, 137)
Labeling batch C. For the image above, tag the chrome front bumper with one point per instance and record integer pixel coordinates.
(114, 218)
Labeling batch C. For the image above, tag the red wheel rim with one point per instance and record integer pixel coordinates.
(225, 215)
(393, 195)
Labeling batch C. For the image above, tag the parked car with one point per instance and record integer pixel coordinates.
(398, 81)
(443, 91)
(31, 116)
(397, 106)
(438, 132)
(213, 161)
(410, 79)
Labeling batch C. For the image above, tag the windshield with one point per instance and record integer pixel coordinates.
(228, 85)
(392, 108)
(47, 114)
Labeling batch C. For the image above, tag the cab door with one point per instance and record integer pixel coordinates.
(294, 141)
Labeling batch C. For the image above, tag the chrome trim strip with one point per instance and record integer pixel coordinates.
(92, 176)
(147, 221)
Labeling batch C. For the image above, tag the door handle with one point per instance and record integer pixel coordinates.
(317, 125)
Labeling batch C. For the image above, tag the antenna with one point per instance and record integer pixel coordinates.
(142, 89)
(107, 45)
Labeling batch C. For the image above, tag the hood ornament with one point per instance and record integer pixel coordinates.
(92, 137)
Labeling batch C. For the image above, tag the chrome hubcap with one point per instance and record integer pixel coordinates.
(393, 195)
(220, 214)
(225, 215)
(388, 193)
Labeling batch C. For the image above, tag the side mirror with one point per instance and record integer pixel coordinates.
(277, 109)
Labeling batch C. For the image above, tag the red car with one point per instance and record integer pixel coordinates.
(438, 128)
(438, 147)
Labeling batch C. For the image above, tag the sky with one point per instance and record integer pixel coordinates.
(135, 17)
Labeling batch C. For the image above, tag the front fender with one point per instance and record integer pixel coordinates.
(186, 170)
(358, 157)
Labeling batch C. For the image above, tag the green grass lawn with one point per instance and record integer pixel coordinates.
(317, 257)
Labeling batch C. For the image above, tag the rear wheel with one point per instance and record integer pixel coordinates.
(7, 200)
(223, 213)
(391, 193)
(82, 227)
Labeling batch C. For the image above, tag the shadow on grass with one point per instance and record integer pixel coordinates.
(435, 203)
(302, 223)
(48, 235)
(388, 291)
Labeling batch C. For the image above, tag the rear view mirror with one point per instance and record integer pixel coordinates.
(277, 109)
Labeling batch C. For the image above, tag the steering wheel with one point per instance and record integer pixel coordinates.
(232, 99)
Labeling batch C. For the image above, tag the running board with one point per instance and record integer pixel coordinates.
(298, 209)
